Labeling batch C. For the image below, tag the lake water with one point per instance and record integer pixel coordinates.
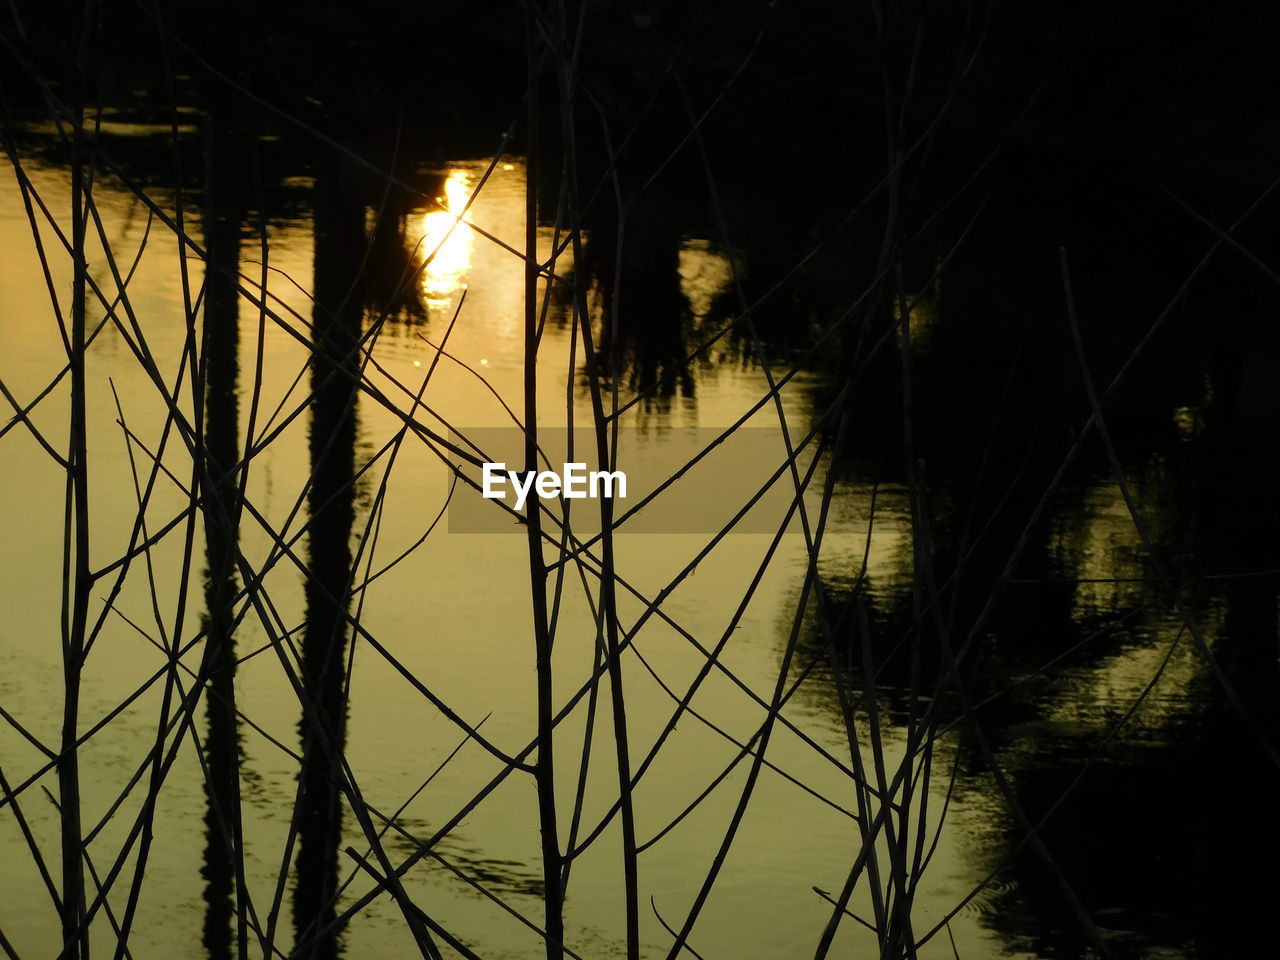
(1085, 680)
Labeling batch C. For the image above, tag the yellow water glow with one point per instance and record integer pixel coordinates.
(447, 243)
(705, 273)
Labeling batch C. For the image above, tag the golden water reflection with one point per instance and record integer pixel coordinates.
(445, 241)
(705, 274)
(1095, 542)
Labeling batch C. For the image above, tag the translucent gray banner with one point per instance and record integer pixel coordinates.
(689, 480)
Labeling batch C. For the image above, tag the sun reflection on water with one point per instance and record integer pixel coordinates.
(447, 243)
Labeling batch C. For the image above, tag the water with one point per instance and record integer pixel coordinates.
(1083, 664)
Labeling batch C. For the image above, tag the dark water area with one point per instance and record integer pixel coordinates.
(956, 226)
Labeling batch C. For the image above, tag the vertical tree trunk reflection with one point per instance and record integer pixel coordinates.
(339, 247)
(223, 850)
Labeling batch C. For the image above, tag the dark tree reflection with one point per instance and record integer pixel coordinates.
(339, 248)
(223, 856)
(642, 311)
